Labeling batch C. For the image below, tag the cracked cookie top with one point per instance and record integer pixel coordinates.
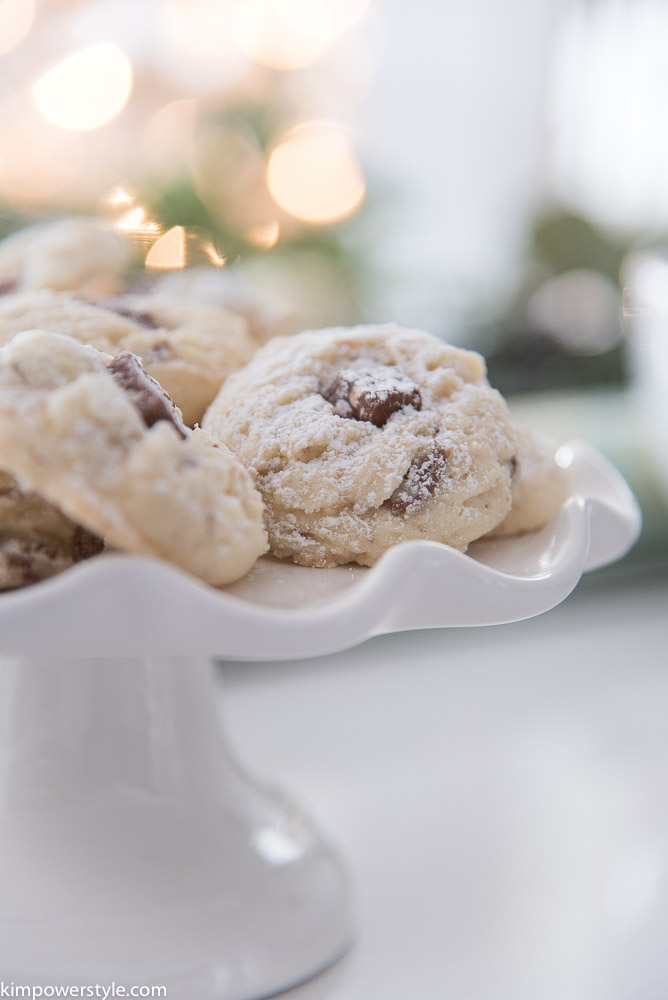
(100, 439)
(360, 438)
(188, 347)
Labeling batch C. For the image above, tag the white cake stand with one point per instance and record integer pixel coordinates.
(133, 849)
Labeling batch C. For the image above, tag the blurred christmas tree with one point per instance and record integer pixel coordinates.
(207, 116)
(563, 326)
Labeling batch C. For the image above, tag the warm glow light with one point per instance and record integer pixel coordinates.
(167, 141)
(198, 27)
(308, 17)
(132, 221)
(87, 89)
(16, 18)
(265, 236)
(314, 173)
(136, 223)
(118, 198)
(37, 161)
(213, 256)
(228, 170)
(200, 54)
(169, 252)
(224, 163)
(268, 39)
(325, 18)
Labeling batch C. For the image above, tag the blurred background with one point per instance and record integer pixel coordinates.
(493, 174)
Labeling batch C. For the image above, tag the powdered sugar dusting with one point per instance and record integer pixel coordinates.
(362, 438)
(420, 482)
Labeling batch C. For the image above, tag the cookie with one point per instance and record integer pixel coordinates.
(101, 440)
(539, 485)
(188, 347)
(36, 539)
(76, 254)
(360, 438)
(266, 315)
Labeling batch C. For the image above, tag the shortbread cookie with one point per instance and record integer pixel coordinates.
(267, 316)
(189, 348)
(36, 539)
(100, 439)
(365, 437)
(75, 254)
(539, 485)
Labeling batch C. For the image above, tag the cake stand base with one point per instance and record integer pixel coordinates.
(133, 849)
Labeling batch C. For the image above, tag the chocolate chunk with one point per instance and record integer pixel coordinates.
(147, 395)
(138, 315)
(420, 482)
(372, 393)
(30, 559)
(85, 544)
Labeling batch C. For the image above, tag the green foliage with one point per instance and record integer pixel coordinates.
(524, 358)
(563, 241)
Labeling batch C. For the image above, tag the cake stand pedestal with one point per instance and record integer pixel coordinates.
(133, 849)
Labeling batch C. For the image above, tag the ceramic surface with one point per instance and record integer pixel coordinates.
(118, 605)
(132, 848)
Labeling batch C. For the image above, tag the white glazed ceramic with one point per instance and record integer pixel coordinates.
(134, 851)
(132, 848)
(117, 605)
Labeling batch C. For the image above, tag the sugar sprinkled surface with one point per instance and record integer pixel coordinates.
(434, 435)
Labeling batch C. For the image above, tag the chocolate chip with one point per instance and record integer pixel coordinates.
(138, 315)
(85, 544)
(147, 395)
(26, 557)
(420, 482)
(8, 484)
(372, 393)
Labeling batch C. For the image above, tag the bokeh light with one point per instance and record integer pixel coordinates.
(265, 235)
(16, 17)
(37, 161)
(228, 170)
(326, 18)
(118, 199)
(86, 90)
(212, 255)
(199, 27)
(225, 163)
(167, 140)
(314, 173)
(266, 38)
(200, 54)
(169, 252)
(136, 223)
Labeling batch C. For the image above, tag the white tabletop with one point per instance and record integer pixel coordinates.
(500, 796)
